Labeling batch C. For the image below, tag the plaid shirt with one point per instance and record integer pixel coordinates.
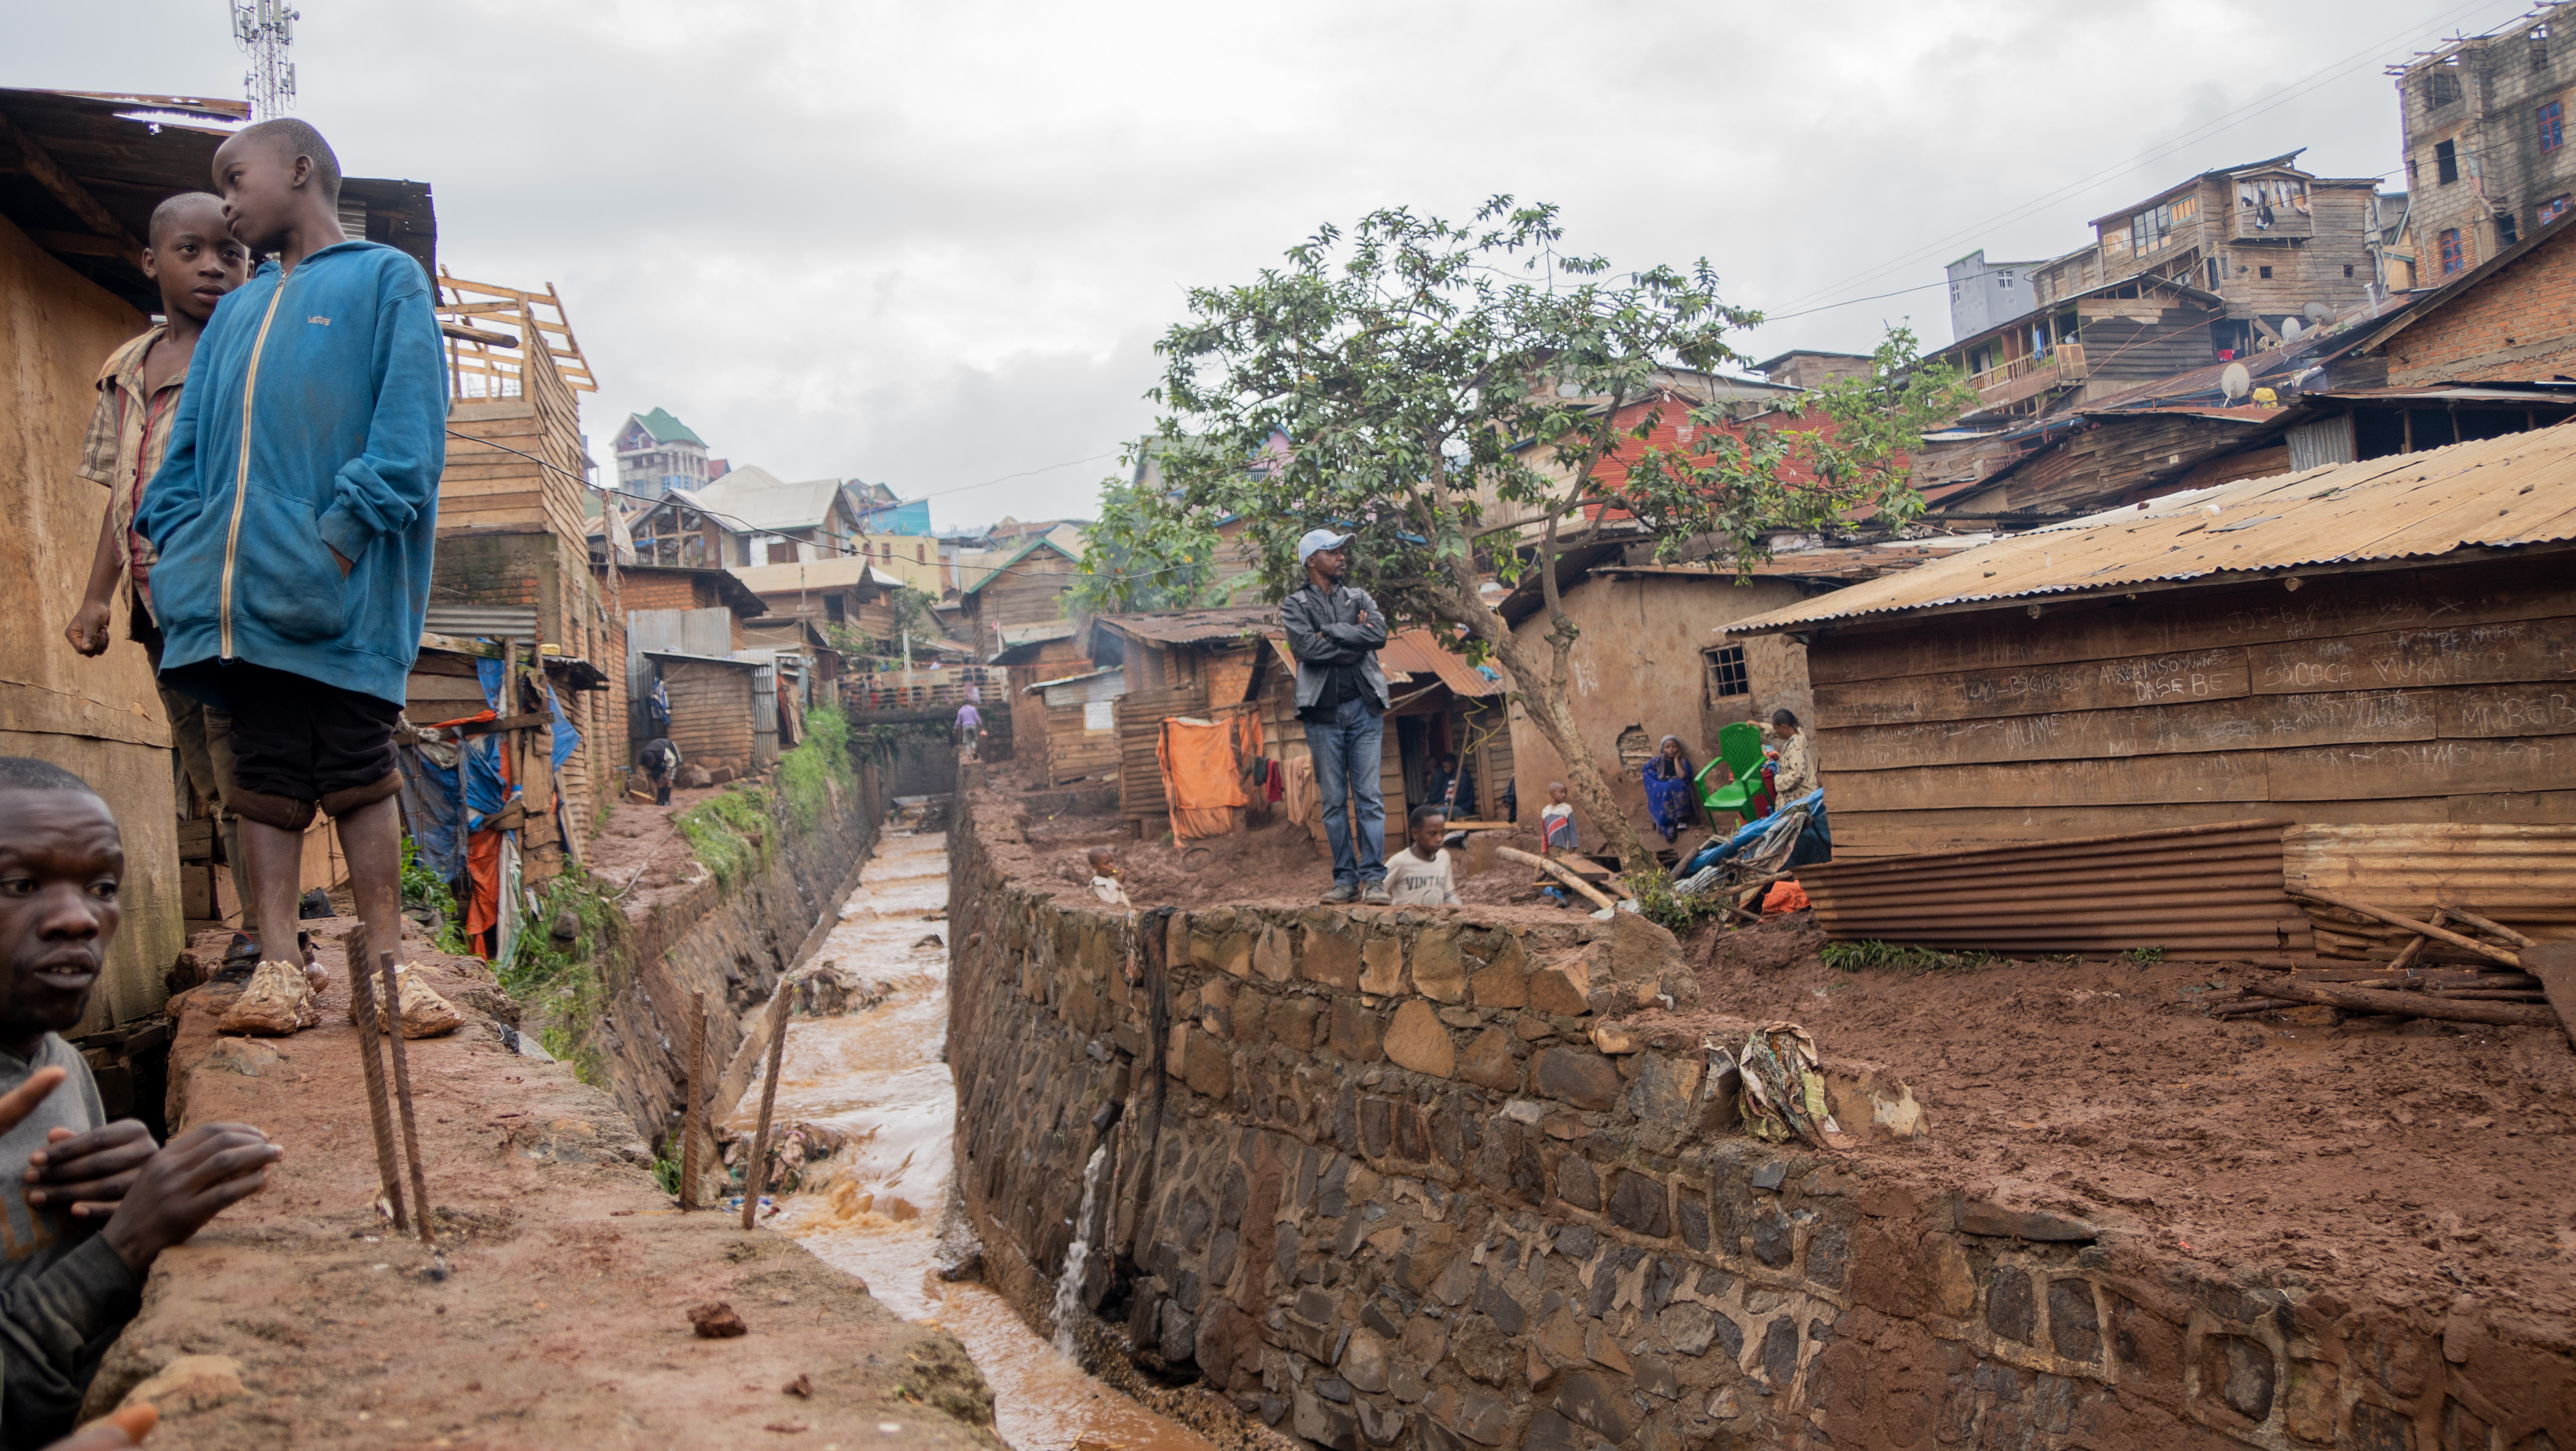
(128, 434)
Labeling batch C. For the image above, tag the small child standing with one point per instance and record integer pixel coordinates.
(1556, 823)
(1419, 875)
(1105, 877)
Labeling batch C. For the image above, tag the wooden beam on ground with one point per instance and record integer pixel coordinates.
(2405, 1005)
(2421, 929)
(66, 188)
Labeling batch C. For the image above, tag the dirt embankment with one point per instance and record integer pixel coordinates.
(561, 1318)
(2414, 1161)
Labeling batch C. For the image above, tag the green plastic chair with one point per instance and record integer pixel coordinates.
(1734, 778)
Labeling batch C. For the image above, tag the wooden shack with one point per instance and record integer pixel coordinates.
(512, 530)
(712, 720)
(2382, 645)
(1076, 735)
(1025, 588)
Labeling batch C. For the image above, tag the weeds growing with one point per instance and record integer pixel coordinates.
(1901, 958)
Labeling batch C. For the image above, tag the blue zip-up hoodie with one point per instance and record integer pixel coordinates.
(335, 375)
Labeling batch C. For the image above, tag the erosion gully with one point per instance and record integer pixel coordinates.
(880, 1077)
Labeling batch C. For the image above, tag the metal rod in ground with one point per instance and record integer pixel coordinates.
(755, 1177)
(402, 1096)
(371, 1057)
(692, 1087)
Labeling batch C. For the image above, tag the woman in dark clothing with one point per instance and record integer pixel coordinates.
(1668, 788)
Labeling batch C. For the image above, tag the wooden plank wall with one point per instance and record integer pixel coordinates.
(1073, 753)
(2425, 695)
(710, 713)
(1141, 714)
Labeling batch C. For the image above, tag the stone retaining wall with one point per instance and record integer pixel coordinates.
(728, 947)
(1389, 1179)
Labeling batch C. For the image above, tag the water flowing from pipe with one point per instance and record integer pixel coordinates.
(1068, 1286)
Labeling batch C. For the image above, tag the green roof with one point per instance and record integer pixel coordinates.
(666, 429)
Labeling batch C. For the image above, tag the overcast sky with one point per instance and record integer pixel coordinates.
(932, 245)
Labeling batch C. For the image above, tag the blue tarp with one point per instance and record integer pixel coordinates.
(430, 806)
(1752, 831)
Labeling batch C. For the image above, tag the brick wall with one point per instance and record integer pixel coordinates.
(655, 590)
(2519, 323)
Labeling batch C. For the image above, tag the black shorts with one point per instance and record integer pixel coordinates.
(298, 743)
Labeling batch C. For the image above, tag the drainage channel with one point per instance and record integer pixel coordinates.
(878, 1077)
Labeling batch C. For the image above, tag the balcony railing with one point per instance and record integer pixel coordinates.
(2009, 383)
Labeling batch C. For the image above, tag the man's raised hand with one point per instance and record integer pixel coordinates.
(90, 1171)
(201, 1173)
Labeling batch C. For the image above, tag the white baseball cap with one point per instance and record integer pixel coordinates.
(1319, 539)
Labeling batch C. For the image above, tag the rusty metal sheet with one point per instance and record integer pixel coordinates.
(2194, 891)
(2522, 876)
(2497, 493)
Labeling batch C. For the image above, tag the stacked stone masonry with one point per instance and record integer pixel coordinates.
(1393, 1179)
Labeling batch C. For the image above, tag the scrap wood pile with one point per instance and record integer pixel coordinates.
(2455, 964)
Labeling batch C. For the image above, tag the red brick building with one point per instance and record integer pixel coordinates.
(647, 587)
(2512, 319)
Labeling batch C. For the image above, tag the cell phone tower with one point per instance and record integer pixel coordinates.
(264, 29)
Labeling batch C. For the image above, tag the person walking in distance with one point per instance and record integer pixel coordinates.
(1335, 631)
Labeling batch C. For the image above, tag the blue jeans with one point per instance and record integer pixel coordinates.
(1346, 752)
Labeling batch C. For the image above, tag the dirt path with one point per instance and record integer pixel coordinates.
(561, 1321)
(2413, 1161)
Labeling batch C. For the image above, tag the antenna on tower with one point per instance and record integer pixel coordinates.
(264, 29)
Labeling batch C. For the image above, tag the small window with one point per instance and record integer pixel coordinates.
(2554, 208)
(2540, 47)
(2347, 269)
(2507, 233)
(2553, 130)
(2264, 272)
(1726, 673)
(2442, 87)
(2452, 258)
(2446, 162)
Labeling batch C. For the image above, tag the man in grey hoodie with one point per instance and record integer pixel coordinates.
(87, 1205)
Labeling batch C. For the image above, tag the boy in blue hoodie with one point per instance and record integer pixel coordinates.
(294, 517)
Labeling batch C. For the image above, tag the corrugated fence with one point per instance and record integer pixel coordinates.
(2194, 891)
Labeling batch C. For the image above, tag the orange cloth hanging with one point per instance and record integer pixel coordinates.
(1199, 777)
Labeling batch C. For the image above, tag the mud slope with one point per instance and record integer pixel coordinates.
(561, 1322)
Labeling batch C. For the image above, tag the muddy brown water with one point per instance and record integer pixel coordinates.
(878, 1077)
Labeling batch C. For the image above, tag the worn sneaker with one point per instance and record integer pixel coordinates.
(1374, 895)
(276, 1003)
(422, 1012)
(1342, 892)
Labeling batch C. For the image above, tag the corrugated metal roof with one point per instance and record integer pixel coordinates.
(2497, 493)
(1185, 627)
(2195, 891)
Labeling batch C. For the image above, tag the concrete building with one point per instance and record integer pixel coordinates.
(2485, 128)
(657, 453)
(1984, 293)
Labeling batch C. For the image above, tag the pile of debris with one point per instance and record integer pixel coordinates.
(2491, 974)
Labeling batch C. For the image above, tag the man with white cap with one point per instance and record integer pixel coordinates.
(1335, 631)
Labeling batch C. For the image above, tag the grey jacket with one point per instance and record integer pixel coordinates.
(1344, 627)
(64, 1295)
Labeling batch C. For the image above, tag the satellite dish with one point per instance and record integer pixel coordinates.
(2290, 329)
(2318, 313)
(2235, 381)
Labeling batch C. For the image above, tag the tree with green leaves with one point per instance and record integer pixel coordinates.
(1133, 560)
(1463, 396)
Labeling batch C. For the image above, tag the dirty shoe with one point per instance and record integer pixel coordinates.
(1374, 895)
(424, 1013)
(277, 1002)
(1341, 892)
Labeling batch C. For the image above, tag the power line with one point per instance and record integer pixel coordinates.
(2226, 120)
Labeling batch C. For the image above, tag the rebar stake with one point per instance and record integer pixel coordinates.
(402, 1097)
(362, 993)
(754, 1176)
(692, 1117)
